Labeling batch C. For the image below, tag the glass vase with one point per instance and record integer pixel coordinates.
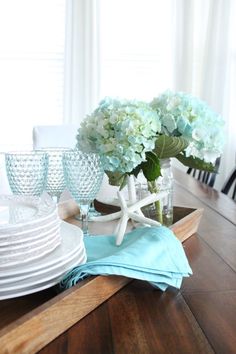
(161, 210)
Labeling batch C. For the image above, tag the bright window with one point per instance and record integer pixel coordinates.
(136, 48)
(31, 68)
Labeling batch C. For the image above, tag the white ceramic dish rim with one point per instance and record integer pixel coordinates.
(27, 232)
(28, 251)
(34, 241)
(49, 249)
(43, 278)
(45, 207)
(30, 290)
(9, 279)
(28, 229)
(48, 260)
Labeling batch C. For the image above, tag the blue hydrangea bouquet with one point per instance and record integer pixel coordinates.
(133, 136)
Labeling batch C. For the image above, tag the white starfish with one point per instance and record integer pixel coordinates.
(132, 212)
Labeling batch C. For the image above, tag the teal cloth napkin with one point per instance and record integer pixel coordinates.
(152, 254)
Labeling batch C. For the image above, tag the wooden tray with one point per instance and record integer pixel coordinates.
(185, 220)
(30, 322)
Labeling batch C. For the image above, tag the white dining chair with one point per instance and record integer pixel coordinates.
(4, 185)
(63, 135)
(48, 136)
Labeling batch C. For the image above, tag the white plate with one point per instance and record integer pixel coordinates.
(71, 242)
(19, 213)
(80, 257)
(31, 243)
(24, 253)
(31, 255)
(43, 278)
(29, 234)
(38, 287)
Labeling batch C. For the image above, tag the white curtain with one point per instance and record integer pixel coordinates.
(205, 62)
(81, 89)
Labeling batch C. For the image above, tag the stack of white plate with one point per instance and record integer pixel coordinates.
(36, 247)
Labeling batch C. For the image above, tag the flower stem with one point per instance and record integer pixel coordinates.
(152, 187)
(84, 218)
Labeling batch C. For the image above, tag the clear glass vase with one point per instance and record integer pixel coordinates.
(161, 210)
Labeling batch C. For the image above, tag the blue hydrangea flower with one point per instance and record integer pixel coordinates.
(121, 131)
(182, 114)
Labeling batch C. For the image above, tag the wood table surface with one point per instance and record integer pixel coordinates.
(198, 318)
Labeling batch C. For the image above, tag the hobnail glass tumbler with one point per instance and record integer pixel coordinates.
(83, 174)
(27, 172)
(56, 183)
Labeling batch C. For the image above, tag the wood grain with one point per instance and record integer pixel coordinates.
(216, 314)
(210, 272)
(13, 309)
(218, 232)
(39, 327)
(163, 325)
(91, 335)
(216, 200)
(186, 227)
(136, 320)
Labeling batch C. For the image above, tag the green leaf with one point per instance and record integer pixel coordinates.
(136, 170)
(115, 178)
(151, 167)
(123, 181)
(169, 146)
(195, 162)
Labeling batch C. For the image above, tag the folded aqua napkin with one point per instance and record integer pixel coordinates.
(153, 254)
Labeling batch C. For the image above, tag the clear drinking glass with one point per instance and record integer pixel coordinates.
(83, 174)
(56, 183)
(27, 172)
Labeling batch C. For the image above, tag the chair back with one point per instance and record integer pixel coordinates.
(229, 186)
(204, 176)
(4, 185)
(63, 135)
(48, 136)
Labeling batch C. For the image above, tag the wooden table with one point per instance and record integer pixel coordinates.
(200, 318)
